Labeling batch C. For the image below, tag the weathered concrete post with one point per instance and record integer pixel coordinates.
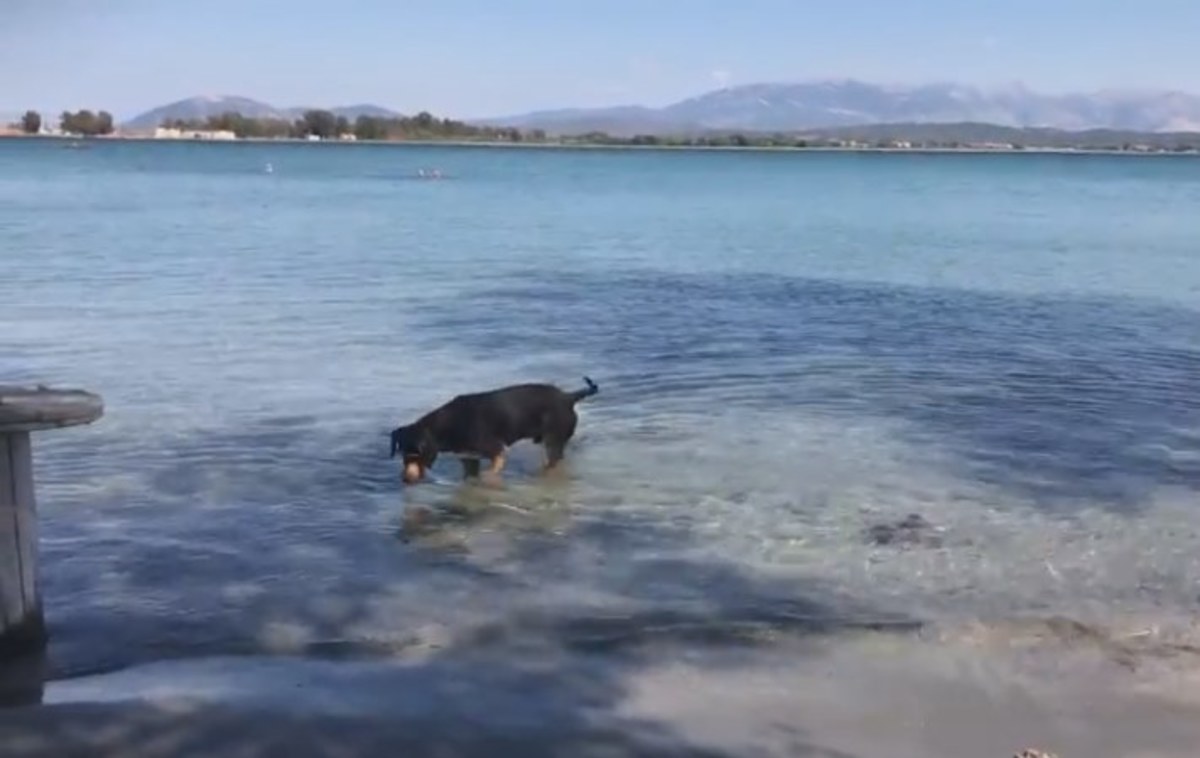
(24, 410)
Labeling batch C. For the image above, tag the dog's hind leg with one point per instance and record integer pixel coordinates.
(557, 437)
(554, 453)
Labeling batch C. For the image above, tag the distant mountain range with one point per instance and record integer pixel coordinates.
(841, 103)
(200, 108)
(799, 107)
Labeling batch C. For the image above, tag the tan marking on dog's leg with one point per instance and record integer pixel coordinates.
(493, 472)
(498, 462)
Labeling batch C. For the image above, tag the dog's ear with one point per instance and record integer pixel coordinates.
(397, 440)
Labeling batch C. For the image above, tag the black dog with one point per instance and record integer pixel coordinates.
(486, 424)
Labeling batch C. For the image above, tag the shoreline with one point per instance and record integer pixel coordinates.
(494, 144)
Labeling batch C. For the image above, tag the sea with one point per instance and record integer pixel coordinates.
(841, 394)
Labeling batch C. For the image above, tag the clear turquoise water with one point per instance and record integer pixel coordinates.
(791, 348)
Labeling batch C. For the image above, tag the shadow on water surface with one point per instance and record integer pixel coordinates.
(455, 703)
(279, 540)
(1063, 401)
(172, 733)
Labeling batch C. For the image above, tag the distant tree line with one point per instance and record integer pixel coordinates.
(427, 127)
(327, 125)
(1179, 143)
(704, 140)
(31, 122)
(86, 123)
(83, 122)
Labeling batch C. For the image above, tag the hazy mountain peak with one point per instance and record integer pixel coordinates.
(799, 106)
(837, 102)
(202, 107)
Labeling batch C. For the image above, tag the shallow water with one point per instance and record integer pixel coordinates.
(790, 348)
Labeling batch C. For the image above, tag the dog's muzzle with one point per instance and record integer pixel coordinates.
(412, 472)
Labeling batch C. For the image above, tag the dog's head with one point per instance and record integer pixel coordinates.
(416, 448)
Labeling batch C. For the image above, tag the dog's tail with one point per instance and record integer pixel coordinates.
(591, 389)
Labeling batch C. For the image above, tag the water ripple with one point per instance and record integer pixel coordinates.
(791, 349)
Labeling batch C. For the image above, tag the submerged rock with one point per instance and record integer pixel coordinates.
(913, 529)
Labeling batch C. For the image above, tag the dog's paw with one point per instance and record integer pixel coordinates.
(491, 479)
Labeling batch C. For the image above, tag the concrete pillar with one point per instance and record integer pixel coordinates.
(24, 411)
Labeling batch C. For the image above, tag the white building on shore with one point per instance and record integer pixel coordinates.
(165, 132)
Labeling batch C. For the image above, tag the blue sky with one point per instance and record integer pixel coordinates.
(471, 58)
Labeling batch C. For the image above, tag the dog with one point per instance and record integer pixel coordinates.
(486, 424)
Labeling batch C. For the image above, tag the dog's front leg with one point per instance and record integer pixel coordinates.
(497, 466)
(470, 468)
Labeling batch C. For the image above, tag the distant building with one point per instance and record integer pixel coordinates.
(165, 132)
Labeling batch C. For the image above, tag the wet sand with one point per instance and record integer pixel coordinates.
(885, 696)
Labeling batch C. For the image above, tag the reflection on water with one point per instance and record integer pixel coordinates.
(22, 680)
